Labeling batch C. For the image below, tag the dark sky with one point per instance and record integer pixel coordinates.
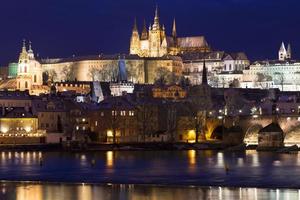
(61, 28)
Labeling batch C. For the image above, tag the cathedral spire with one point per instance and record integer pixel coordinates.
(144, 35)
(24, 46)
(174, 31)
(135, 29)
(156, 25)
(289, 52)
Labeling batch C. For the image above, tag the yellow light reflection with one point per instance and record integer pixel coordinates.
(109, 158)
(192, 159)
(29, 192)
(85, 192)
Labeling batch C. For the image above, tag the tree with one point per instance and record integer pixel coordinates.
(171, 120)
(146, 117)
(261, 79)
(279, 79)
(164, 76)
(235, 83)
(52, 75)
(69, 73)
(184, 82)
(214, 80)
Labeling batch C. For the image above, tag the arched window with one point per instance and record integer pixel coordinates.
(26, 84)
(25, 69)
(34, 78)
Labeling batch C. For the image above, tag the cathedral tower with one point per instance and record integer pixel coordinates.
(155, 37)
(135, 40)
(289, 52)
(282, 53)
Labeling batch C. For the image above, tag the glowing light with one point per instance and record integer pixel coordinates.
(220, 117)
(110, 158)
(192, 157)
(28, 129)
(191, 136)
(255, 116)
(4, 129)
(109, 133)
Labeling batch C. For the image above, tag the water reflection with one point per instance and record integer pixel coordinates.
(192, 159)
(31, 191)
(109, 159)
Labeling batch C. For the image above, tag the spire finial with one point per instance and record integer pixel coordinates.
(24, 46)
(30, 47)
(156, 25)
(144, 32)
(174, 31)
(135, 25)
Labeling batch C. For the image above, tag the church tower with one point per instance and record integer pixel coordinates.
(29, 75)
(289, 52)
(23, 77)
(282, 53)
(135, 40)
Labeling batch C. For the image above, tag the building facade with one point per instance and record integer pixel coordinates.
(154, 42)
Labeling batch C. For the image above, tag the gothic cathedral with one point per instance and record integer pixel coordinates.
(155, 43)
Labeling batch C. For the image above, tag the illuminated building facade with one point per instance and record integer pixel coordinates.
(29, 76)
(154, 42)
(19, 125)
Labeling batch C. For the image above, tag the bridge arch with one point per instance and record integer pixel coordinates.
(251, 136)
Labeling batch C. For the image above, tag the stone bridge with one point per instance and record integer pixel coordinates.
(250, 125)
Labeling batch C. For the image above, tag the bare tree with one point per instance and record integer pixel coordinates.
(69, 73)
(146, 118)
(235, 83)
(261, 79)
(280, 79)
(172, 120)
(164, 76)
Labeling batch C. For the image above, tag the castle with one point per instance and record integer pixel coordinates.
(154, 42)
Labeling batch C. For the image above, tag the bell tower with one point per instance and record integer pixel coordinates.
(23, 77)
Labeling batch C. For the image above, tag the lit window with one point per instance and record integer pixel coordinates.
(123, 113)
(131, 113)
(83, 128)
(83, 120)
(96, 123)
(114, 113)
(77, 128)
(102, 114)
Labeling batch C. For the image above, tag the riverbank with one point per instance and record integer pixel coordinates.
(90, 147)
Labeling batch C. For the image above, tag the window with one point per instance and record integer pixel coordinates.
(34, 78)
(114, 113)
(123, 113)
(131, 113)
(96, 123)
(26, 84)
(102, 114)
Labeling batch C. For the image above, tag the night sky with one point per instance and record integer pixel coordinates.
(62, 28)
